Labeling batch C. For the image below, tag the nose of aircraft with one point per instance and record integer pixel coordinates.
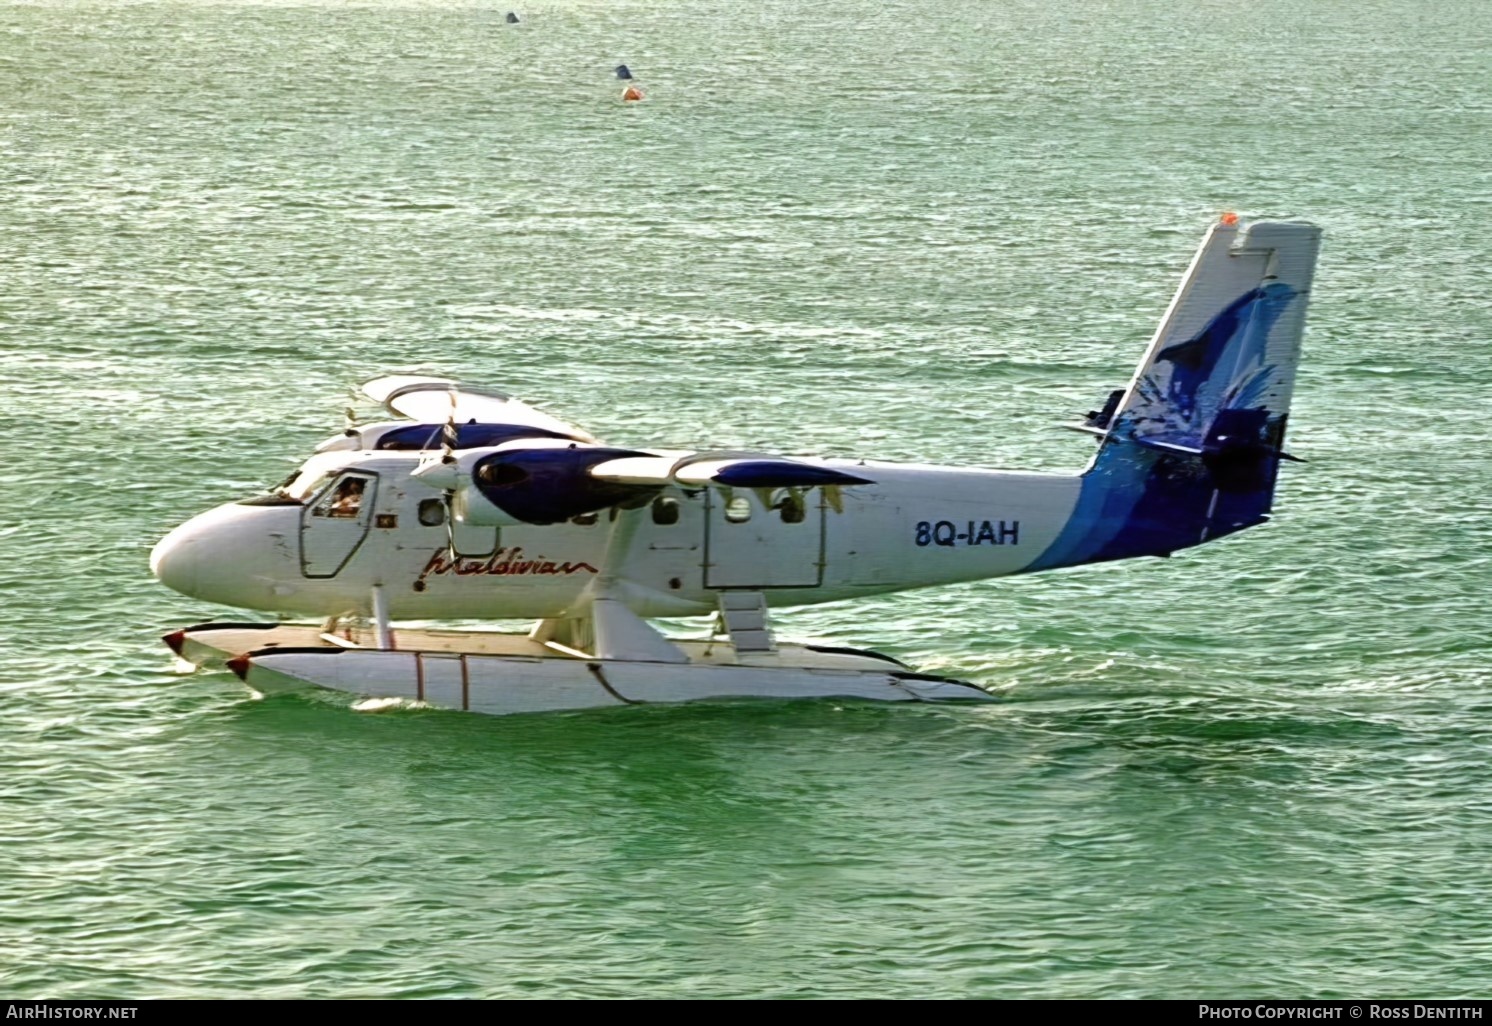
(238, 555)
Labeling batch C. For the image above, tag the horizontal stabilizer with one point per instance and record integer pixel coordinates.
(1164, 445)
(1183, 448)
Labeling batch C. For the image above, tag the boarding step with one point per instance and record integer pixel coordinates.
(743, 615)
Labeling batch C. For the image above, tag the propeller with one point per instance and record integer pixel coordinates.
(449, 432)
(448, 437)
(444, 472)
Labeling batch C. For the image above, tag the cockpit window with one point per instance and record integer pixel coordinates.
(345, 499)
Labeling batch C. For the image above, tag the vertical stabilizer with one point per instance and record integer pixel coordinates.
(1230, 340)
(1191, 449)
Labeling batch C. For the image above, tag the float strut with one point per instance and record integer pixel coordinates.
(381, 635)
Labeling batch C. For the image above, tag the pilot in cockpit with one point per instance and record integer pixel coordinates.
(348, 498)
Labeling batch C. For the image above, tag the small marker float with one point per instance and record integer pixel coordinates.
(633, 92)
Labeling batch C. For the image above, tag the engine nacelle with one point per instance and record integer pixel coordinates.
(541, 486)
(469, 506)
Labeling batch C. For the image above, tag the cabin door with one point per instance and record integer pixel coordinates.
(335, 523)
(763, 539)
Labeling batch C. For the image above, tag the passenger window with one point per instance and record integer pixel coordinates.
(665, 510)
(432, 512)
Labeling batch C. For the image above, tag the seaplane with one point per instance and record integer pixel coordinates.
(463, 503)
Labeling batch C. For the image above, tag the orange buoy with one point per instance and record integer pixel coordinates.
(631, 93)
(1230, 218)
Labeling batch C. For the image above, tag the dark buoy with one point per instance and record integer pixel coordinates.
(512, 18)
(623, 72)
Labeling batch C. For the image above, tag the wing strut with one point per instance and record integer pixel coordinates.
(605, 627)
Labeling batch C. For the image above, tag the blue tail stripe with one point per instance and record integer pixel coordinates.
(1223, 366)
(1151, 500)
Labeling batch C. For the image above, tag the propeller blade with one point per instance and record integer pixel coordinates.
(438, 472)
(450, 497)
(449, 434)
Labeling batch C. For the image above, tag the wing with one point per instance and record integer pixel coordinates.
(438, 400)
(549, 480)
(728, 469)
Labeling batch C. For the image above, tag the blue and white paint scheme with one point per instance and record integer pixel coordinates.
(474, 505)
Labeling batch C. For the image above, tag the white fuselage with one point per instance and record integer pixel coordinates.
(913, 527)
(476, 506)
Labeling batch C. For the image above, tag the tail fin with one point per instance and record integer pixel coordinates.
(1191, 449)
(1230, 341)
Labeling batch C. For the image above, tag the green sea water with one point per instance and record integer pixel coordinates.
(924, 231)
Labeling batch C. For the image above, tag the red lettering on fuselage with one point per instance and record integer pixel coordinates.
(502, 563)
